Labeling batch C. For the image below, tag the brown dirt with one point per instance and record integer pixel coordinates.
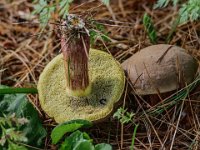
(23, 56)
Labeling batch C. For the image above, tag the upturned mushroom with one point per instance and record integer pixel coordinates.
(160, 68)
(80, 83)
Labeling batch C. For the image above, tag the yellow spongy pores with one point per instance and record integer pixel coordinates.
(107, 84)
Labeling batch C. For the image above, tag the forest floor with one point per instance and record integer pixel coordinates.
(23, 56)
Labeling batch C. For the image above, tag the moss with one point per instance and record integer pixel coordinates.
(107, 85)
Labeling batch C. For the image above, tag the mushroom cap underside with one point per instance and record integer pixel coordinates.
(160, 68)
(107, 82)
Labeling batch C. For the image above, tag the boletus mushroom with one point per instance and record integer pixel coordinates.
(80, 83)
(160, 68)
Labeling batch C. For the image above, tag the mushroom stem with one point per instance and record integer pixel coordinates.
(75, 48)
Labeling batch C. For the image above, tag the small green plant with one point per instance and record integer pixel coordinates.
(20, 124)
(190, 10)
(45, 9)
(123, 115)
(97, 32)
(10, 132)
(127, 117)
(150, 29)
(77, 140)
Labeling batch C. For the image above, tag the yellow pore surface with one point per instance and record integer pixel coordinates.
(107, 85)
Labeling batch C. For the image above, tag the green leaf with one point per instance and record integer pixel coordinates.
(94, 35)
(190, 11)
(64, 7)
(161, 4)
(164, 3)
(64, 3)
(184, 15)
(13, 146)
(22, 108)
(175, 2)
(149, 27)
(84, 145)
(64, 11)
(119, 113)
(123, 115)
(86, 136)
(106, 2)
(34, 129)
(103, 146)
(45, 9)
(69, 126)
(15, 135)
(124, 119)
(98, 32)
(39, 7)
(71, 140)
(74, 139)
(45, 15)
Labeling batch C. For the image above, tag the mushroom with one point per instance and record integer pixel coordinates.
(159, 69)
(80, 83)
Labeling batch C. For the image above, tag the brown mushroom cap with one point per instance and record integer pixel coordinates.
(158, 68)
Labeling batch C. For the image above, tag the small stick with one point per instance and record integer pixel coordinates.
(163, 55)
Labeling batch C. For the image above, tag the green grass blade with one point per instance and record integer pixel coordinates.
(18, 90)
(133, 137)
(174, 99)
